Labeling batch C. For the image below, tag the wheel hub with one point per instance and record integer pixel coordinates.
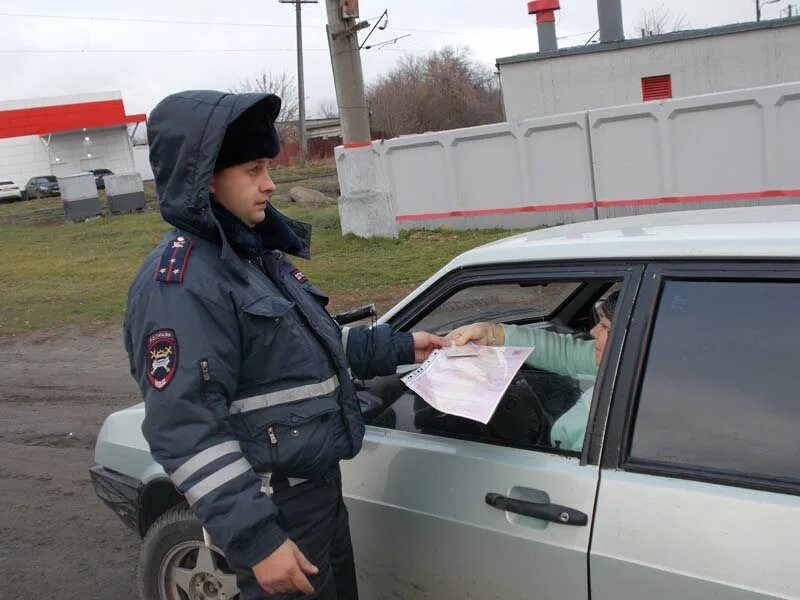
(205, 586)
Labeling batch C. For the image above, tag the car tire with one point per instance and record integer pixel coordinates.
(175, 563)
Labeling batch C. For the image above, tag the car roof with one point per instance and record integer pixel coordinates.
(772, 231)
(751, 232)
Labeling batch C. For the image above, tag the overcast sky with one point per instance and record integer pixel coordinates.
(150, 48)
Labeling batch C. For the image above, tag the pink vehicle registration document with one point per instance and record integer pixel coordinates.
(467, 386)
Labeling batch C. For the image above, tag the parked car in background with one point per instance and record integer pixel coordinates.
(9, 191)
(41, 187)
(98, 177)
(687, 483)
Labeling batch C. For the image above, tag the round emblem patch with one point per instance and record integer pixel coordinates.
(162, 357)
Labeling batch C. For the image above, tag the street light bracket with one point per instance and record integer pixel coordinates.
(350, 30)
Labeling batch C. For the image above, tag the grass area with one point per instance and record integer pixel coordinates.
(54, 274)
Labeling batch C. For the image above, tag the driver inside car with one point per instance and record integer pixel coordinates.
(562, 354)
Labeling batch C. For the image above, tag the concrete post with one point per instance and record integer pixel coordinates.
(348, 77)
(365, 206)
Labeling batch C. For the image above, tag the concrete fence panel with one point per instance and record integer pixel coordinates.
(418, 177)
(125, 192)
(717, 148)
(79, 196)
(628, 157)
(556, 161)
(787, 140)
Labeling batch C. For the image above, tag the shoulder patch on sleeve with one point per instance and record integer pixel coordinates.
(172, 266)
(298, 274)
(161, 347)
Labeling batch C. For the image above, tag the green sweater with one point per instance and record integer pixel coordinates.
(564, 355)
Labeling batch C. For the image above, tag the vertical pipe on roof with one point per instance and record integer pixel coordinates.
(545, 22)
(609, 15)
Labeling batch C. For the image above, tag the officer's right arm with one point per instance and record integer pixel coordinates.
(185, 355)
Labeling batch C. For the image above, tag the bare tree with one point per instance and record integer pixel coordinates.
(658, 20)
(328, 109)
(282, 85)
(445, 89)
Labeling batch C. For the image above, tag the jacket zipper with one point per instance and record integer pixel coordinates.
(205, 376)
(273, 448)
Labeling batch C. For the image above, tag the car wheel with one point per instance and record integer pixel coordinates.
(175, 563)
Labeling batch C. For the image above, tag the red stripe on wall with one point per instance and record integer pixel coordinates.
(495, 211)
(603, 204)
(65, 117)
(357, 144)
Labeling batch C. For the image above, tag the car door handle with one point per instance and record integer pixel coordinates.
(538, 510)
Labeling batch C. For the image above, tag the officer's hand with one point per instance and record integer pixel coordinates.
(425, 343)
(284, 571)
(484, 334)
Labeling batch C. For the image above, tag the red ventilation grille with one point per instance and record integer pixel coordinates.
(656, 88)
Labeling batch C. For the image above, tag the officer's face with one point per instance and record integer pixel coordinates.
(244, 190)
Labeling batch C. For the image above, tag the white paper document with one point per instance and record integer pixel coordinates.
(467, 386)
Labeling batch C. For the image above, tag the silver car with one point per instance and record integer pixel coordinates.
(686, 485)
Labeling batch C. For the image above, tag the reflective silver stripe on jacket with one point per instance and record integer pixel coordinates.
(284, 396)
(202, 459)
(212, 482)
(345, 335)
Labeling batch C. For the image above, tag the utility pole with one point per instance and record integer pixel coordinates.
(301, 104)
(347, 74)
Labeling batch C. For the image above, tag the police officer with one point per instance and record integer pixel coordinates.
(249, 401)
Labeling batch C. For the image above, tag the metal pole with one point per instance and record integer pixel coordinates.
(348, 77)
(547, 36)
(301, 87)
(609, 15)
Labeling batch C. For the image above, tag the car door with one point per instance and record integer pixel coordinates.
(700, 488)
(417, 492)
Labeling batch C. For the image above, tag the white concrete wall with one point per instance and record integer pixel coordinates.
(597, 79)
(22, 158)
(110, 148)
(728, 149)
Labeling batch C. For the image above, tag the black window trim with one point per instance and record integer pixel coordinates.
(629, 273)
(619, 430)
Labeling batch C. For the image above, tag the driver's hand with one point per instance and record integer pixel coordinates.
(284, 571)
(484, 334)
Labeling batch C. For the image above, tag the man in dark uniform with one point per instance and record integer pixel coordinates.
(249, 399)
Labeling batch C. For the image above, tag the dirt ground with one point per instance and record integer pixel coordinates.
(57, 539)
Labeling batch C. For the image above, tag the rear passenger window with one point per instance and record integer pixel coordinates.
(721, 384)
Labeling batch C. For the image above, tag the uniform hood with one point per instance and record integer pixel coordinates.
(185, 133)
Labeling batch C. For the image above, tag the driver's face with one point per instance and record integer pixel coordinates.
(600, 334)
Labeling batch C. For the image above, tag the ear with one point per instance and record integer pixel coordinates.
(212, 184)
